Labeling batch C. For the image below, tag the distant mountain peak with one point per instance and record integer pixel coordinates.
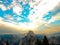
(30, 39)
(30, 33)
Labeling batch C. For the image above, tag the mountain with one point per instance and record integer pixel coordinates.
(56, 36)
(30, 39)
(54, 40)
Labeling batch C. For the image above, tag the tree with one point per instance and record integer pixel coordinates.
(45, 41)
(38, 42)
(7, 43)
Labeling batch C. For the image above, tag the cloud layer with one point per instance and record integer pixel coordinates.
(30, 15)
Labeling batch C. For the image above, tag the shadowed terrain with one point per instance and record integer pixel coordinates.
(29, 39)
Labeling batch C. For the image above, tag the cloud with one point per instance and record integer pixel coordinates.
(30, 19)
(16, 7)
(17, 10)
(9, 17)
(51, 14)
(42, 9)
(56, 17)
(3, 7)
(56, 22)
(9, 28)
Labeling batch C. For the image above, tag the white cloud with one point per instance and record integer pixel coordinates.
(1, 18)
(17, 9)
(3, 7)
(9, 17)
(40, 10)
(56, 17)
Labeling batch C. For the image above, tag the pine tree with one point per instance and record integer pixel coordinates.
(7, 42)
(45, 41)
(38, 42)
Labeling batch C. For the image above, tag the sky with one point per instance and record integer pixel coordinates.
(40, 16)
